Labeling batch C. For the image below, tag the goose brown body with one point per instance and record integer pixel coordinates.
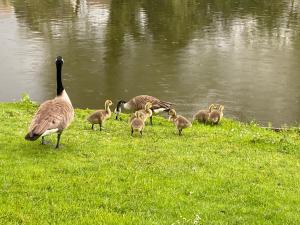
(100, 116)
(52, 116)
(179, 121)
(144, 113)
(139, 102)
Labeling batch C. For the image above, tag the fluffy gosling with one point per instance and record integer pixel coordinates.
(216, 115)
(144, 113)
(202, 115)
(137, 123)
(179, 121)
(99, 116)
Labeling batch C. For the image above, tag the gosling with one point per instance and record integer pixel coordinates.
(144, 113)
(137, 123)
(216, 115)
(202, 115)
(100, 116)
(179, 121)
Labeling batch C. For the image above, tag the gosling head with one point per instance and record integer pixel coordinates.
(172, 112)
(148, 105)
(118, 108)
(137, 114)
(211, 107)
(108, 102)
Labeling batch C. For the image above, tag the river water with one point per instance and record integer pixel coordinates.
(242, 54)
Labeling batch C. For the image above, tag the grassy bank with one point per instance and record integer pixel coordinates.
(230, 174)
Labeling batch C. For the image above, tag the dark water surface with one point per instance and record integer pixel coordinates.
(244, 54)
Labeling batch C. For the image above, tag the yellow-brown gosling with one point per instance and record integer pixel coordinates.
(216, 115)
(53, 116)
(99, 116)
(179, 121)
(145, 113)
(139, 102)
(137, 124)
(202, 115)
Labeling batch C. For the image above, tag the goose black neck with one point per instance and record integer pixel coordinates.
(60, 87)
(120, 103)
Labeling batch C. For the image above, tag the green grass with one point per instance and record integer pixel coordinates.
(233, 173)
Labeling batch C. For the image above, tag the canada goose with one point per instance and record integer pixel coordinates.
(137, 124)
(53, 116)
(140, 101)
(179, 121)
(216, 115)
(99, 116)
(144, 113)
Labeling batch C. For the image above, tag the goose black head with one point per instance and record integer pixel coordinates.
(118, 108)
(59, 60)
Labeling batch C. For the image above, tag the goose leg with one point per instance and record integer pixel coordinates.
(141, 132)
(92, 126)
(131, 132)
(43, 140)
(150, 120)
(58, 139)
(100, 124)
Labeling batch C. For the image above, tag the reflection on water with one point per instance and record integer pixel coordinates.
(243, 54)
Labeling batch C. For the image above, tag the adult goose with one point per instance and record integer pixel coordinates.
(139, 102)
(53, 116)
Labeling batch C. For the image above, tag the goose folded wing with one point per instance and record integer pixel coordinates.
(50, 115)
(140, 101)
(161, 104)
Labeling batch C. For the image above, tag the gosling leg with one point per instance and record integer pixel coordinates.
(180, 130)
(131, 132)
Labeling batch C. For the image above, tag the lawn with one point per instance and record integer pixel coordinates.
(234, 173)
